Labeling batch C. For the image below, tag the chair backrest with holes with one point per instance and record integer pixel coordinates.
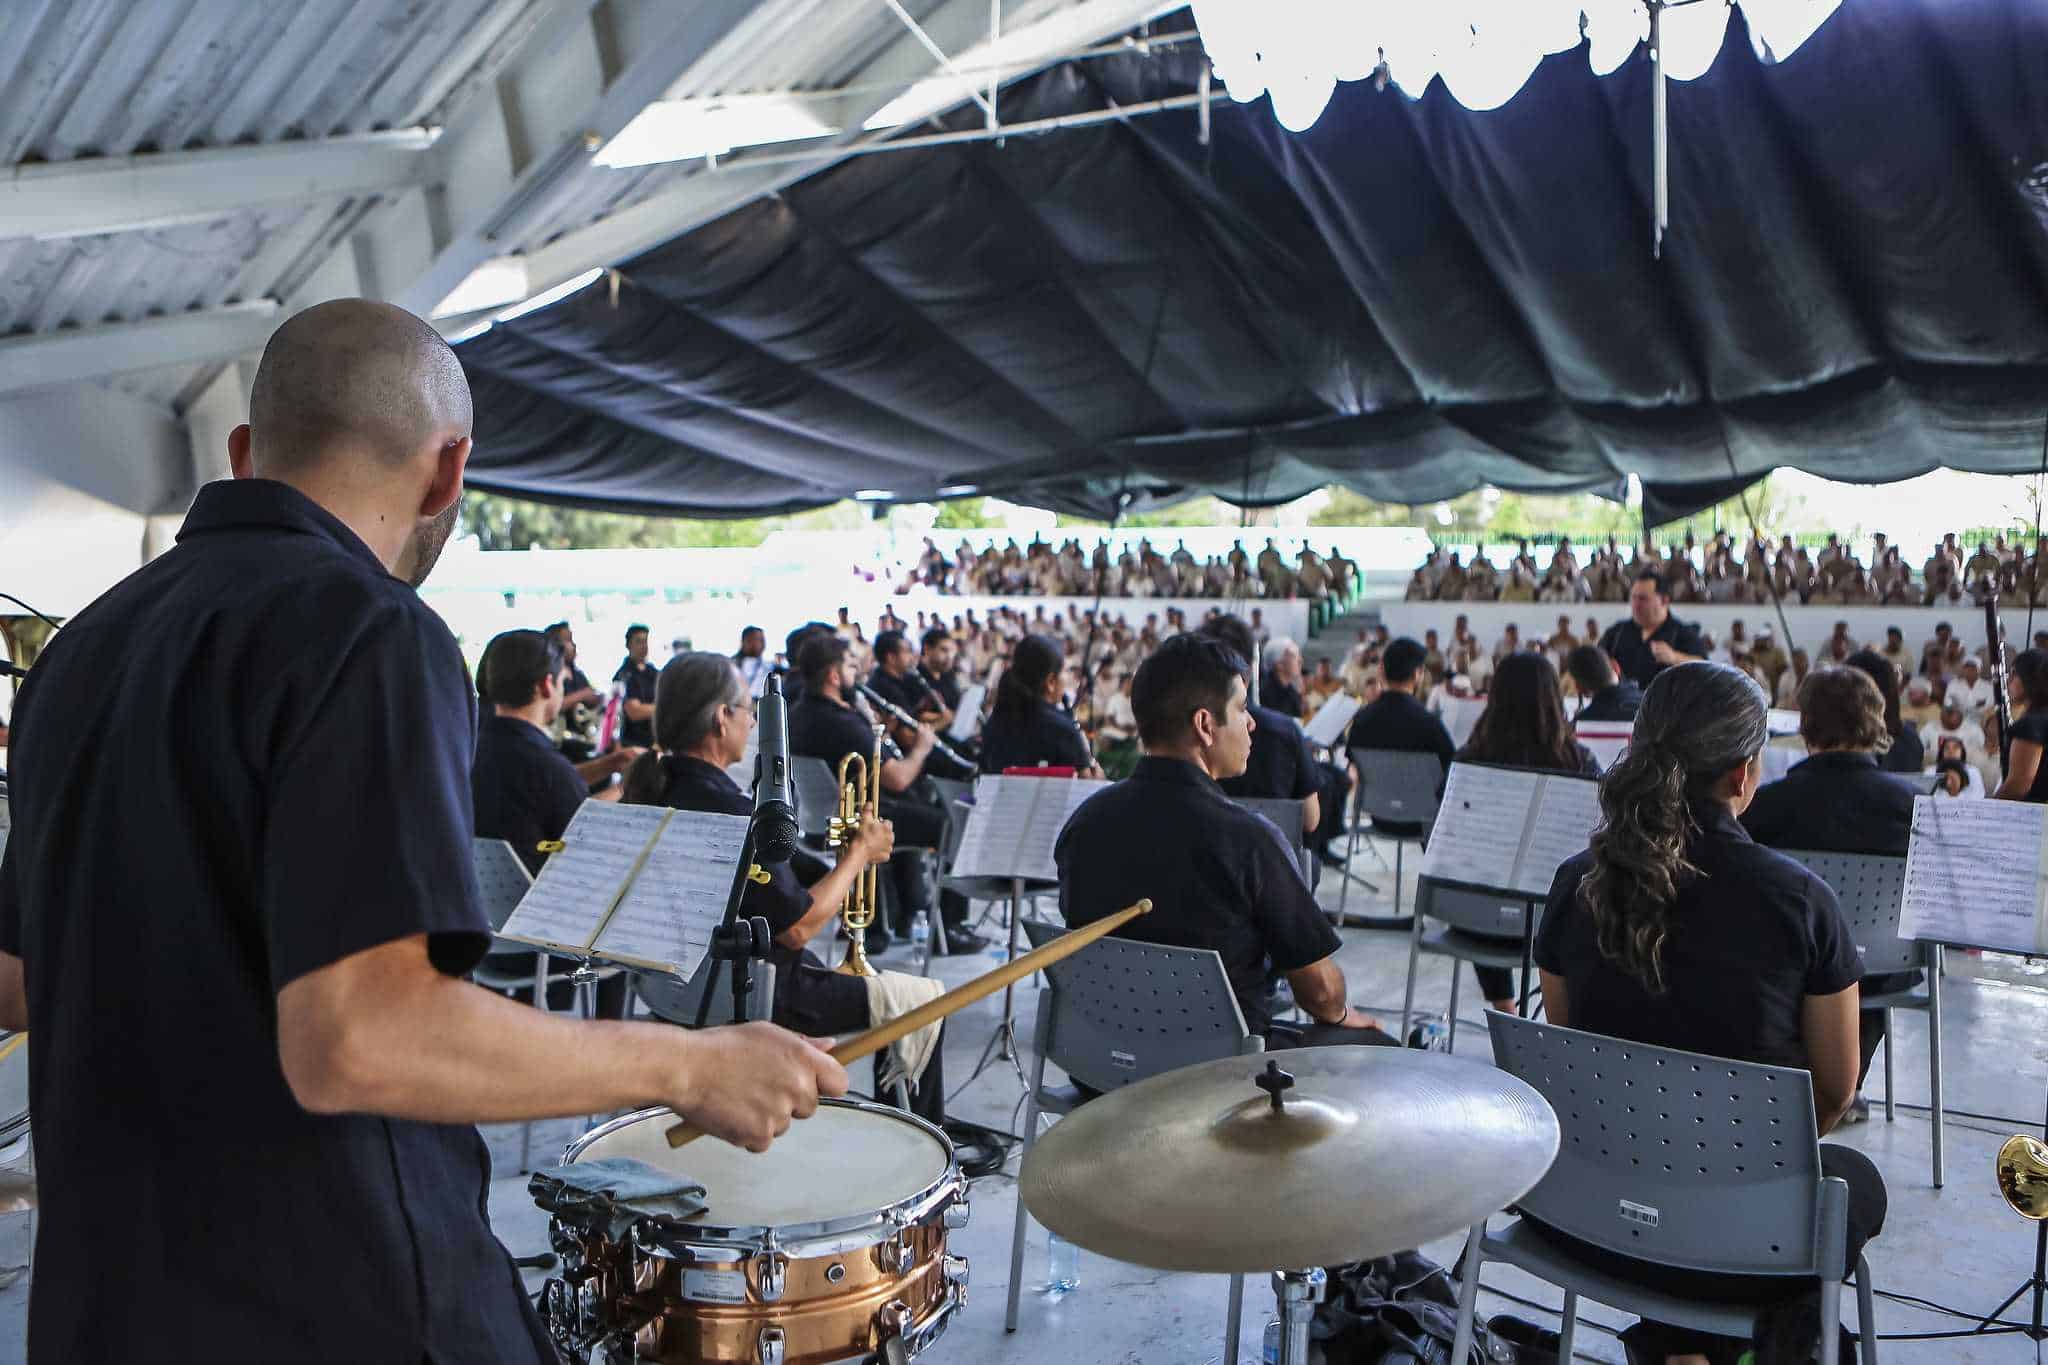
(676, 1001)
(1124, 1011)
(1287, 816)
(817, 796)
(1872, 890)
(501, 879)
(1674, 1157)
(1478, 912)
(1398, 784)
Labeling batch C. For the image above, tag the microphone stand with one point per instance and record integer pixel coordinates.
(1994, 633)
(737, 943)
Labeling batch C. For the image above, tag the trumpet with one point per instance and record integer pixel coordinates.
(860, 782)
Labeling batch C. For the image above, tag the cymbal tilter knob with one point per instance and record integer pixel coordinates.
(1274, 1082)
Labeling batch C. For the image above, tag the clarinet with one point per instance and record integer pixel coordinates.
(1994, 633)
(904, 718)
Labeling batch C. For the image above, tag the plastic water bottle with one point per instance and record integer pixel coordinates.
(1274, 1332)
(1062, 1267)
(921, 938)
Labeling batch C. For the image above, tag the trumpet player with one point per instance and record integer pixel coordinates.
(703, 719)
(825, 724)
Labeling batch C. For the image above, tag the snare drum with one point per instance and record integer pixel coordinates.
(830, 1246)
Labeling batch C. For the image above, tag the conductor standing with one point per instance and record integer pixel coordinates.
(238, 905)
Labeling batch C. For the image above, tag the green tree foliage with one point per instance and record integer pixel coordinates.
(501, 523)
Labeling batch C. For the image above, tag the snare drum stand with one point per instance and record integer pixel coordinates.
(1298, 1292)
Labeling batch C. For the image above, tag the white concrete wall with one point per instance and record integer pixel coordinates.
(1809, 625)
(1282, 616)
(88, 480)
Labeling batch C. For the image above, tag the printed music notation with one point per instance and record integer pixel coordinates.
(1977, 875)
(1015, 823)
(1508, 829)
(1326, 727)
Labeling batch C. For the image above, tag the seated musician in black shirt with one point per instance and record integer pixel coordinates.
(1841, 800)
(1904, 750)
(895, 676)
(1218, 875)
(1027, 727)
(1398, 721)
(2026, 778)
(523, 788)
(1280, 689)
(937, 666)
(1606, 696)
(1676, 929)
(703, 716)
(1281, 766)
(824, 725)
(581, 702)
(1523, 726)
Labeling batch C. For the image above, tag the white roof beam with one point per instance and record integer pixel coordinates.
(35, 360)
(158, 189)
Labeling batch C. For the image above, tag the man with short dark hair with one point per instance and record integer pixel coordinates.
(752, 660)
(1652, 639)
(895, 677)
(636, 709)
(1281, 766)
(1398, 720)
(1607, 697)
(938, 664)
(575, 728)
(1218, 876)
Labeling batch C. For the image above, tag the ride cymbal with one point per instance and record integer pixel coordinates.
(1311, 1157)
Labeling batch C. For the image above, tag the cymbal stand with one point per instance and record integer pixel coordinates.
(1298, 1292)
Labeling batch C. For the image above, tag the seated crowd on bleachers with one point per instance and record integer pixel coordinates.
(1039, 570)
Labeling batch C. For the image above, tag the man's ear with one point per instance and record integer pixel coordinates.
(449, 463)
(241, 453)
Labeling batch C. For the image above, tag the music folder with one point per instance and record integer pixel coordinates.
(1015, 823)
(1977, 875)
(1508, 829)
(643, 886)
(1326, 726)
(967, 717)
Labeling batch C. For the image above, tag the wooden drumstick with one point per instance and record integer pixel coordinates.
(931, 1011)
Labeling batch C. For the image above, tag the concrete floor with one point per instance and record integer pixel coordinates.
(1959, 1246)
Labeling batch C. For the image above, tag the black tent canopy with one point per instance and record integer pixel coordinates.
(1410, 299)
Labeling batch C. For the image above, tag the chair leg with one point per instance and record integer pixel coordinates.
(1017, 1234)
(937, 919)
(1866, 1314)
(1236, 1320)
(1830, 1322)
(1451, 1041)
(1408, 996)
(1350, 851)
(1890, 1110)
(1934, 1060)
(1569, 1326)
(1468, 1293)
(1399, 846)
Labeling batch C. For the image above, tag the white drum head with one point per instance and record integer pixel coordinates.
(843, 1162)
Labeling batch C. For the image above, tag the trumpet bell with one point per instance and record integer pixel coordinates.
(2023, 1176)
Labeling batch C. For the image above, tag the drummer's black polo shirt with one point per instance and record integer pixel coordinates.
(248, 760)
(1219, 876)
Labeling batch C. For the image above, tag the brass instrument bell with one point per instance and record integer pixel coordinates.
(860, 782)
(2023, 1175)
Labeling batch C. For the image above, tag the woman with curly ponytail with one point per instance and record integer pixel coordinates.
(1675, 929)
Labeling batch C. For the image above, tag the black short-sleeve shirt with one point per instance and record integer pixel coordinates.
(1282, 766)
(1624, 643)
(2033, 728)
(1045, 737)
(523, 789)
(1284, 698)
(246, 761)
(1219, 877)
(640, 684)
(908, 691)
(946, 685)
(1834, 803)
(1395, 720)
(1753, 933)
(1616, 701)
(821, 728)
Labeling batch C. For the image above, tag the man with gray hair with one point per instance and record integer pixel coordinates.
(238, 906)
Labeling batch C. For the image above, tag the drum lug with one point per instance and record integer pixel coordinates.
(768, 1347)
(893, 1323)
(771, 1272)
(957, 1214)
(954, 1268)
(898, 1256)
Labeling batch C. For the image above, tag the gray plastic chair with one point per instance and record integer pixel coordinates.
(1678, 1159)
(817, 800)
(1474, 929)
(1871, 889)
(1116, 1013)
(1399, 785)
(1288, 816)
(676, 1001)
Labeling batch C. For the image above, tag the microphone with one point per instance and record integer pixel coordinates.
(775, 832)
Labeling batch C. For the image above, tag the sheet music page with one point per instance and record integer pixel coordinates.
(1781, 723)
(578, 885)
(1479, 825)
(1058, 799)
(679, 897)
(1567, 808)
(1326, 726)
(1976, 873)
(967, 719)
(996, 825)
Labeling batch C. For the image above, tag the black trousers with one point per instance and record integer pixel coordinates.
(1868, 1204)
(920, 831)
(824, 1003)
(1870, 1024)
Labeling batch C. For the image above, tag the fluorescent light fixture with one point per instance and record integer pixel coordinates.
(548, 296)
(872, 495)
(957, 490)
(684, 130)
(495, 283)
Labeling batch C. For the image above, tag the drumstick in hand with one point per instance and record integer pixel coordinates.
(931, 1011)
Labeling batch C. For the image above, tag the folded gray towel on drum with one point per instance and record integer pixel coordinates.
(615, 1192)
